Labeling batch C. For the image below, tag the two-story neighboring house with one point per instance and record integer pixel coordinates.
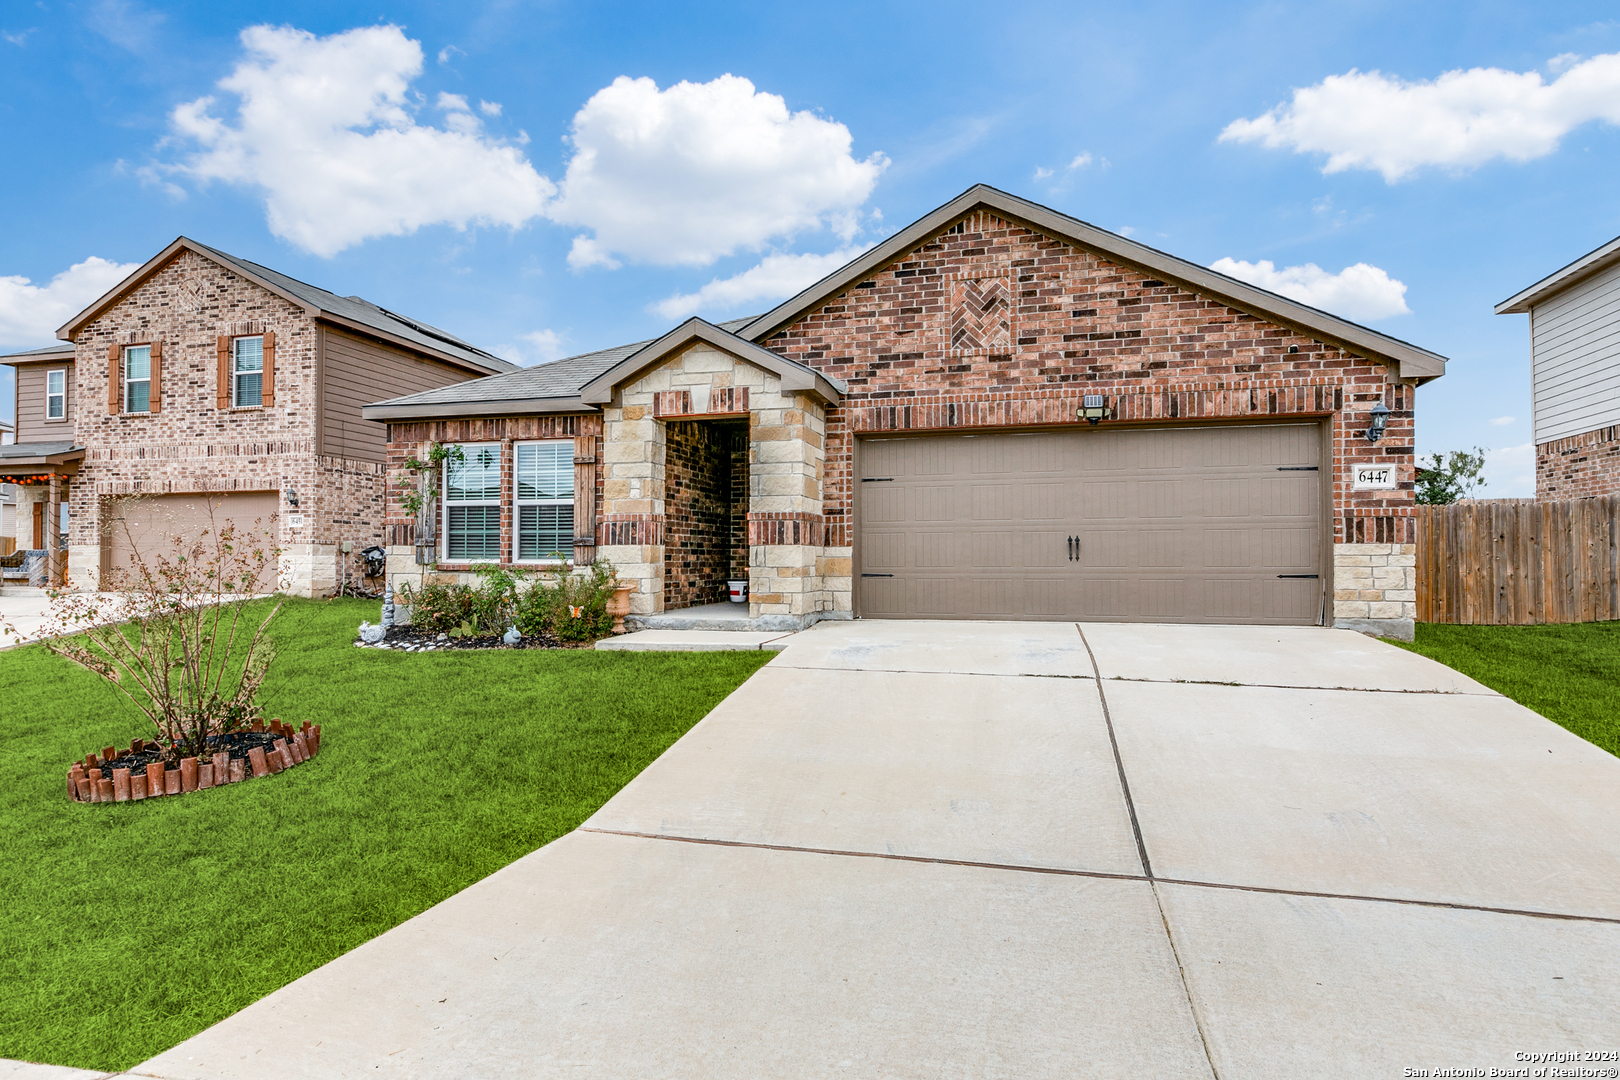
(8, 492)
(1575, 371)
(216, 390)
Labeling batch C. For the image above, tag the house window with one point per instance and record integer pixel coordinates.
(247, 372)
(138, 379)
(472, 503)
(544, 501)
(56, 394)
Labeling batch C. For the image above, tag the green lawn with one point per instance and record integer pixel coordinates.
(128, 928)
(1570, 674)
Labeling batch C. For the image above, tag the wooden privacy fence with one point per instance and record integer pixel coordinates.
(1519, 561)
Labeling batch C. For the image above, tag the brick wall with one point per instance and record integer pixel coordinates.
(697, 517)
(992, 324)
(738, 568)
(1579, 466)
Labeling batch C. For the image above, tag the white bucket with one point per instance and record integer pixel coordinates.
(739, 591)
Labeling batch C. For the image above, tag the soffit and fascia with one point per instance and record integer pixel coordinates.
(1582, 268)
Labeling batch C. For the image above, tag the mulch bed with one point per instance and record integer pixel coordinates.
(137, 772)
(410, 639)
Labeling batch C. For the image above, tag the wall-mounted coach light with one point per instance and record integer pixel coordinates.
(1377, 422)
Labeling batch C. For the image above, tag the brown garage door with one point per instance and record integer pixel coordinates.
(151, 523)
(1203, 525)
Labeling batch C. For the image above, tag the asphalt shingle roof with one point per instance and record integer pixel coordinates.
(560, 378)
(366, 313)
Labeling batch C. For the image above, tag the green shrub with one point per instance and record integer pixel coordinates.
(555, 601)
(569, 607)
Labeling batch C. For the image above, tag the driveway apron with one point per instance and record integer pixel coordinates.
(1021, 850)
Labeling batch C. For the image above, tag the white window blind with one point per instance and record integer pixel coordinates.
(56, 395)
(544, 498)
(247, 372)
(138, 379)
(472, 503)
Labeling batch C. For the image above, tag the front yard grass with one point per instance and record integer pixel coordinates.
(128, 928)
(1568, 673)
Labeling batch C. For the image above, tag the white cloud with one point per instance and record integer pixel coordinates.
(1510, 472)
(30, 314)
(489, 108)
(1080, 161)
(1356, 292)
(20, 38)
(1041, 174)
(775, 278)
(322, 126)
(447, 52)
(687, 175)
(537, 347)
(1502, 421)
(1368, 120)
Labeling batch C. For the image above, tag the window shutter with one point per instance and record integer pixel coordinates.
(156, 393)
(222, 396)
(115, 381)
(269, 380)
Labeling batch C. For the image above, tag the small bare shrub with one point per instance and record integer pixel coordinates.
(175, 636)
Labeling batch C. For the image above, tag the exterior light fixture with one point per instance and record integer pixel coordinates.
(292, 498)
(1092, 409)
(1378, 421)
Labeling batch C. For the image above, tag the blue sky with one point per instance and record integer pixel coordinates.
(536, 178)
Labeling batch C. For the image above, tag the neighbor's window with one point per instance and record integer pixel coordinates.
(472, 503)
(545, 500)
(138, 379)
(247, 372)
(56, 394)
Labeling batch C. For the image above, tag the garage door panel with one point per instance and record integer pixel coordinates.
(1174, 524)
(1229, 547)
(1106, 501)
(165, 525)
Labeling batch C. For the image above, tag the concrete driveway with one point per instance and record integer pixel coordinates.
(952, 850)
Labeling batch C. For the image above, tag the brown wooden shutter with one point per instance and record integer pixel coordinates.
(155, 395)
(222, 392)
(115, 379)
(584, 500)
(269, 379)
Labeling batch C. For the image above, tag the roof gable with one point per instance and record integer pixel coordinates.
(1412, 361)
(1567, 277)
(794, 375)
(350, 311)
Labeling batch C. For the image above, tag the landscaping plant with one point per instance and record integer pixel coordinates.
(175, 638)
(555, 601)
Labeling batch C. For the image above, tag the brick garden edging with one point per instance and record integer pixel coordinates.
(87, 784)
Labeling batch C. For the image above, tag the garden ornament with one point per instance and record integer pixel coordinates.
(511, 637)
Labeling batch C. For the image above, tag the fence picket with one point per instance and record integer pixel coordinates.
(1519, 561)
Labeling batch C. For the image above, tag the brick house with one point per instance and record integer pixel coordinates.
(1575, 374)
(215, 388)
(1000, 412)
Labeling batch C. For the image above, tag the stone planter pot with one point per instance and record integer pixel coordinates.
(618, 605)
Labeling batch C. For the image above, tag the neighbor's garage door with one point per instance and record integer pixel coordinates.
(150, 525)
(1205, 525)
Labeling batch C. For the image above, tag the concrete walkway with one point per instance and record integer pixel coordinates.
(951, 850)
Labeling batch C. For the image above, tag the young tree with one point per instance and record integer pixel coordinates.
(1445, 478)
(174, 634)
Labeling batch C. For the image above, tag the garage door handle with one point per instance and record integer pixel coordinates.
(1074, 549)
(1297, 575)
(877, 575)
(1297, 468)
(877, 479)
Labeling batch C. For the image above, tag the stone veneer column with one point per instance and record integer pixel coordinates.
(787, 552)
(1375, 589)
(630, 529)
